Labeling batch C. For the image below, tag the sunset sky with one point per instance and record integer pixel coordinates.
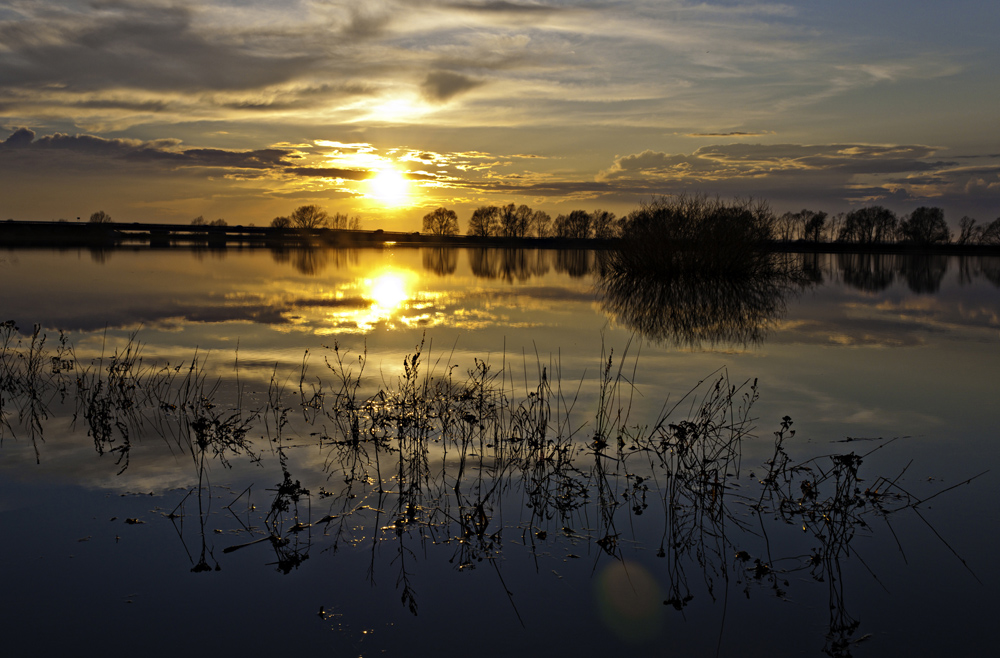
(162, 111)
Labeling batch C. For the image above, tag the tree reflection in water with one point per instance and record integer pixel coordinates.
(507, 264)
(690, 307)
(442, 261)
(434, 459)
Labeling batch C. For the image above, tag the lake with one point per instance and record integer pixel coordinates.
(419, 450)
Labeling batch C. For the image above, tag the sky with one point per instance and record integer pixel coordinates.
(166, 110)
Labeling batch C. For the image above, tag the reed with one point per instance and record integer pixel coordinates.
(436, 456)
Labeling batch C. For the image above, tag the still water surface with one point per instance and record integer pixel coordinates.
(284, 531)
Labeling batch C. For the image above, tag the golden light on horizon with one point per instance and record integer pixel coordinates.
(389, 187)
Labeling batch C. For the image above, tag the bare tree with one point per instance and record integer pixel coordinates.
(508, 221)
(309, 217)
(577, 224)
(787, 225)
(833, 227)
(991, 233)
(100, 217)
(484, 221)
(218, 222)
(441, 222)
(541, 223)
(812, 225)
(522, 221)
(199, 221)
(969, 231)
(281, 222)
(604, 224)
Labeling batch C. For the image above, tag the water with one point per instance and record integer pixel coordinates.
(461, 538)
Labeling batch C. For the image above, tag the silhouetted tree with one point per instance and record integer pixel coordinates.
(199, 221)
(218, 222)
(507, 221)
(484, 221)
(805, 225)
(869, 225)
(669, 235)
(541, 223)
(605, 224)
(833, 227)
(812, 227)
(343, 221)
(281, 222)
(577, 224)
(969, 231)
(925, 226)
(522, 221)
(309, 217)
(100, 217)
(788, 226)
(441, 222)
(991, 233)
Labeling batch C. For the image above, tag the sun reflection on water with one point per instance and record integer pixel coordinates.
(387, 291)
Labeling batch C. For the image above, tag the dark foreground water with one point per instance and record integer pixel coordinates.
(495, 452)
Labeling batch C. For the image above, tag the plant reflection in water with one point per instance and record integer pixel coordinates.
(435, 458)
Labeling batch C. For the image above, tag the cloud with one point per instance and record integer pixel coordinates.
(368, 20)
(20, 138)
(24, 140)
(759, 133)
(503, 7)
(440, 86)
(330, 172)
(756, 160)
(899, 175)
(121, 45)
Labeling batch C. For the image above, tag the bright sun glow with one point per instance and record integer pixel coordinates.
(388, 291)
(389, 187)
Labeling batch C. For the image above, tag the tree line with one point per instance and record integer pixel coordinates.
(868, 225)
(522, 221)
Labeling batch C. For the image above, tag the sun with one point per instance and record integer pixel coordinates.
(390, 187)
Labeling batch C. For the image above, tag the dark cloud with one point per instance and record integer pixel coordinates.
(329, 172)
(157, 151)
(754, 160)
(20, 138)
(441, 86)
(420, 175)
(732, 134)
(368, 21)
(315, 96)
(503, 7)
(137, 46)
(115, 104)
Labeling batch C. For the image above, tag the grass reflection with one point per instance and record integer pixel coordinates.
(468, 466)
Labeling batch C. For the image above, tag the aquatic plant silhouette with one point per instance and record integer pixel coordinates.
(25, 388)
(434, 457)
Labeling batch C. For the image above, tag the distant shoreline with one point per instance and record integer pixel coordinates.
(56, 234)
